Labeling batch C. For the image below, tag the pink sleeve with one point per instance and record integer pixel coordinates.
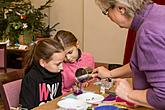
(89, 60)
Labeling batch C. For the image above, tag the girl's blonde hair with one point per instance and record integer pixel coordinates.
(133, 6)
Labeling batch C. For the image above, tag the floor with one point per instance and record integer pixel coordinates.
(10, 75)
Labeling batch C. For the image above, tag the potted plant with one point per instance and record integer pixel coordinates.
(46, 31)
(23, 19)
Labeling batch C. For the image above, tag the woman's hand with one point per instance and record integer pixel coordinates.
(101, 72)
(123, 89)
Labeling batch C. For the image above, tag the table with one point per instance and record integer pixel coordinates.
(11, 75)
(52, 105)
(15, 57)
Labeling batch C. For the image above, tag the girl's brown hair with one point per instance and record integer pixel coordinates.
(66, 38)
(43, 49)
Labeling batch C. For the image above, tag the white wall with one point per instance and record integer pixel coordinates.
(104, 39)
(69, 13)
(97, 34)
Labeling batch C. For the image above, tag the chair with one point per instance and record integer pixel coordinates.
(10, 93)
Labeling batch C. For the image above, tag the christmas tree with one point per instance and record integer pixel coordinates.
(20, 17)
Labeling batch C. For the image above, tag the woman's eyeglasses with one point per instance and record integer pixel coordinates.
(105, 12)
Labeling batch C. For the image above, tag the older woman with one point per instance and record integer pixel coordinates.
(148, 57)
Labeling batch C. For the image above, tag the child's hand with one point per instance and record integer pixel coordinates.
(71, 89)
(85, 84)
(74, 87)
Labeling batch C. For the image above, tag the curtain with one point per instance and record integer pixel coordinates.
(131, 38)
(129, 45)
(162, 2)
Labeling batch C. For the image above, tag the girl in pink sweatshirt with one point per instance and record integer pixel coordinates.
(74, 59)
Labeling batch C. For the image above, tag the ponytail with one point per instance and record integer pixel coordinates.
(29, 57)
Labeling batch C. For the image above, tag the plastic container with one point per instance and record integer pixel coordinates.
(107, 107)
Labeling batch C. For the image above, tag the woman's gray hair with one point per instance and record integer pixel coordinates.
(133, 6)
